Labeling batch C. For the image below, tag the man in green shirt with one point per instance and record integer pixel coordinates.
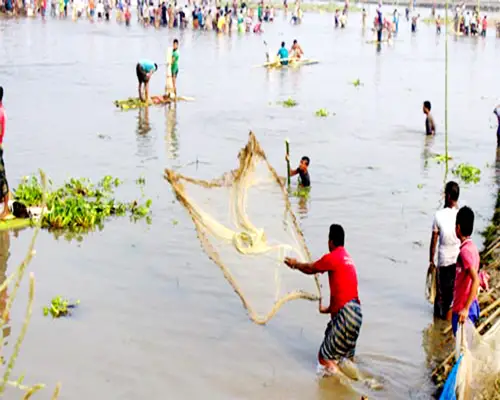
(175, 66)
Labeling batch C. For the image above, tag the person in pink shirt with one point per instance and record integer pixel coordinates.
(4, 186)
(465, 304)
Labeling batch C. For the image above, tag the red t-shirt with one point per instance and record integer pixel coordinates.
(468, 258)
(342, 277)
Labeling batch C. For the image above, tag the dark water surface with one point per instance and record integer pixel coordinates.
(157, 319)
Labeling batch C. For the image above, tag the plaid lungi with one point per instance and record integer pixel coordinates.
(342, 333)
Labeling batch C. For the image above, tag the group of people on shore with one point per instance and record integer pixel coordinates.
(203, 15)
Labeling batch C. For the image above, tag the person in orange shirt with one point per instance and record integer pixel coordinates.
(91, 9)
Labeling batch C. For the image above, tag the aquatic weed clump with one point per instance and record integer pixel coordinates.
(322, 112)
(288, 103)
(467, 173)
(59, 307)
(79, 204)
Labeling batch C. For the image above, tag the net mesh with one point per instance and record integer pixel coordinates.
(480, 366)
(246, 226)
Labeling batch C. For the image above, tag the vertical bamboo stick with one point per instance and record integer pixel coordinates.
(287, 149)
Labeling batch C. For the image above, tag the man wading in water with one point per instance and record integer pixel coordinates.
(444, 235)
(345, 309)
(4, 186)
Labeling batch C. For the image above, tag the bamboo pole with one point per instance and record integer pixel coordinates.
(287, 149)
(446, 87)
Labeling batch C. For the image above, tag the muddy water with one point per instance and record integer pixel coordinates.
(157, 319)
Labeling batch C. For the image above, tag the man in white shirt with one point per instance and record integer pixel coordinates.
(444, 236)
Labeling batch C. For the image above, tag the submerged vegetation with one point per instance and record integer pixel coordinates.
(289, 103)
(322, 112)
(59, 307)
(79, 205)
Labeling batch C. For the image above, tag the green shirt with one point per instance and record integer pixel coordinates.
(175, 62)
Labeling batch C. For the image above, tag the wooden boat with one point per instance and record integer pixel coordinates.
(293, 63)
(135, 102)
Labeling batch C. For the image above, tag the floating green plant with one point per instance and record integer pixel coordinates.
(289, 103)
(441, 158)
(467, 173)
(59, 307)
(357, 83)
(302, 192)
(322, 112)
(79, 205)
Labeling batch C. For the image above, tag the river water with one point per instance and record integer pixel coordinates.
(157, 319)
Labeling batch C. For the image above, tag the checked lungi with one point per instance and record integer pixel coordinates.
(342, 333)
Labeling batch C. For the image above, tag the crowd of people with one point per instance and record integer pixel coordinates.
(206, 15)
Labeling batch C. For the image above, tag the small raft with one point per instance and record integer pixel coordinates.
(276, 64)
(135, 102)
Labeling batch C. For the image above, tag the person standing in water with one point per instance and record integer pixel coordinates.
(430, 128)
(496, 111)
(302, 170)
(174, 68)
(467, 282)
(445, 239)
(144, 70)
(4, 186)
(343, 329)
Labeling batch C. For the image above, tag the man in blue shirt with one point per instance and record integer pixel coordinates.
(283, 54)
(144, 69)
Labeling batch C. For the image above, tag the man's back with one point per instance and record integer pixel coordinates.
(449, 245)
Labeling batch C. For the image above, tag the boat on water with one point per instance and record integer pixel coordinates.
(292, 63)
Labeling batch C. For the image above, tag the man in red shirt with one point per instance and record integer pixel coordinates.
(345, 309)
(4, 186)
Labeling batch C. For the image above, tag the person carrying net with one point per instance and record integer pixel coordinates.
(343, 329)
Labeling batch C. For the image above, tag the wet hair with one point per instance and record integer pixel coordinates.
(465, 219)
(306, 159)
(282, 44)
(156, 67)
(176, 41)
(427, 104)
(295, 41)
(1, 93)
(452, 190)
(336, 235)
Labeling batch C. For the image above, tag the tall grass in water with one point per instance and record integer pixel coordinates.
(15, 279)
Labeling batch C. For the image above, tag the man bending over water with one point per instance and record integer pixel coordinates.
(144, 69)
(343, 329)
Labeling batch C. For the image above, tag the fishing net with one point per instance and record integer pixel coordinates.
(246, 226)
(478, 364)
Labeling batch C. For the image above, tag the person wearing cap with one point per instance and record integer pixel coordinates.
(144, 69)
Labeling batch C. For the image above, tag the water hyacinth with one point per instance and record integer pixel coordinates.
(467, 173)
(79, 204)
(289, 103)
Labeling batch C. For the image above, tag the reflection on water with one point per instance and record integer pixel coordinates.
(4, 256)
(426, 152)
(436, 345)
(171, 139)
(143, 125)
(497, 167)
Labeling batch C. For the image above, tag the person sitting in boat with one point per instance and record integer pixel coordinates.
(283, 54)
(144, 69)
(296, 51)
